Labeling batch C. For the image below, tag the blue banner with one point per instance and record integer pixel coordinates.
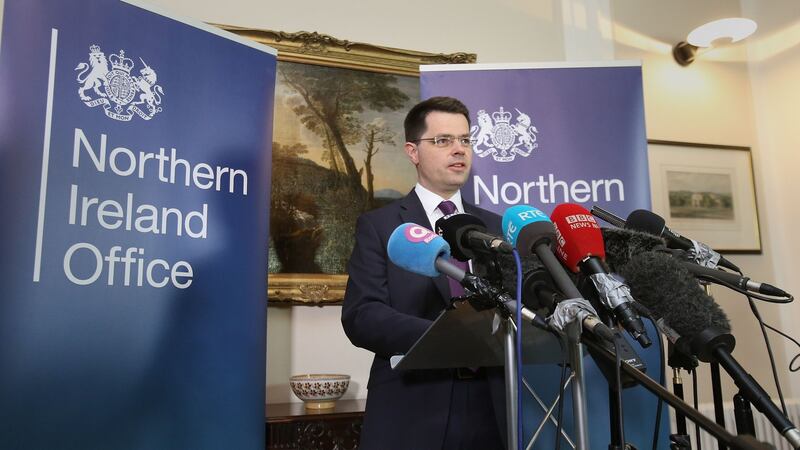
(549, 135)
(135, 154)
(557, 133)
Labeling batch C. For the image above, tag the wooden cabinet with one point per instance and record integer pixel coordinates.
(289, 426)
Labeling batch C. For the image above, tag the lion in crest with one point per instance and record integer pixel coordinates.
(483, 129)
(96, 76)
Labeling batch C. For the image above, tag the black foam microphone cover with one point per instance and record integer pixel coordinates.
(667, 288)
(622, 245)
(646, 221)
(535, 234)
(538, 288)
(453, 229)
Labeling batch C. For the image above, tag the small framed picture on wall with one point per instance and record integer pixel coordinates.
(706, 192)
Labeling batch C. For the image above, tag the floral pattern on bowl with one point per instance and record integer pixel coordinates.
(319, 391)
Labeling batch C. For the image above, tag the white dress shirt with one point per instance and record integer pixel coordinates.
(430, 203)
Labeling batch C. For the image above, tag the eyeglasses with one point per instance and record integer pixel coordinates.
(445, 141)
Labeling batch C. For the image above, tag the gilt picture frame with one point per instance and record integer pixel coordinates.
(330, 165)
(707, 192)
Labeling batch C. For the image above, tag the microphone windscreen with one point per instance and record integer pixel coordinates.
(537, 285)
(577, 235)
(415, 248)
(453, 227)
(645, 221)
(667, 288)
(524, 226)
(621, 245)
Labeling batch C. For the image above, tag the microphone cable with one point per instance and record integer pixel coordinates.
(518, 344)
(662, 373)
(618, 381)
(766, 340)
(786, 336)
(662, 380)
(763, 328)
(561, 397)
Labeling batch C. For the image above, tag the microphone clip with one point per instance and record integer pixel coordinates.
(482, 295)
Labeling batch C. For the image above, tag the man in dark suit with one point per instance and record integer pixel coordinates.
(386, 309)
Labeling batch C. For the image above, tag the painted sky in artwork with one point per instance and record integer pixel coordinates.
(391, 166)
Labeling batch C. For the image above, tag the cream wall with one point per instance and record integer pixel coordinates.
(719, 99)
(774, 73)
(711, 101)
(517, 29)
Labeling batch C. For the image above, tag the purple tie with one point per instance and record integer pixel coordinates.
(448, 207)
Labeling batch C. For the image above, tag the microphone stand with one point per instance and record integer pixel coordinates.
(744, 442)
(719, 408)
(677, 361)
(742, 411)
(485, 296)
(712, 345)
(615, 414)
(743, 414)
(574, 330)
(716, 388)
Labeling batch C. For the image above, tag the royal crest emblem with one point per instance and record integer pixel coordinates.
(497, 136)
(114, 88)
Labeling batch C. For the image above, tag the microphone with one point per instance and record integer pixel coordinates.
(660, 283)
(421, 251)
(466, 234)
(580, 248)
(608, 216)
(531, 231)
(650, 222)
(664, 285)
(717, 276)
(623, 244)
(578, 308)
(538, 289)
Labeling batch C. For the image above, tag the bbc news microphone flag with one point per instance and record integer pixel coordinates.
(553, 133)
(135, 153)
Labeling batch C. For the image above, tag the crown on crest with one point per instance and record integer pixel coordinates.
(121, 62)
(501, 116)
(95, 49)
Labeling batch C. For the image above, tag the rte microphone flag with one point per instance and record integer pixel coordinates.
(135, 153)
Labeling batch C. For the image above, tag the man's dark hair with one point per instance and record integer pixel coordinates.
(415, 119)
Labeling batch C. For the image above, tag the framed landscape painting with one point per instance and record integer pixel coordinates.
(706, 192)
(337, 152)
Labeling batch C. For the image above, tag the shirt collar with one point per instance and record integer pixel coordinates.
(430, 201)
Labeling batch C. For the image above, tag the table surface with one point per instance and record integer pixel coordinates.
(298, 409)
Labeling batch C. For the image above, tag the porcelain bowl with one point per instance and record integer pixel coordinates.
(319, 390)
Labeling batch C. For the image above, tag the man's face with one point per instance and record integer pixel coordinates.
(442, 170)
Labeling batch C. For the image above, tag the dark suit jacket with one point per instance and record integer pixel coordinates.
(386, 309)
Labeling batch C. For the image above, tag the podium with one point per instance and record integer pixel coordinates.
(463, 336)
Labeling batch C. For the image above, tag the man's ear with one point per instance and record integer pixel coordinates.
(412, 151)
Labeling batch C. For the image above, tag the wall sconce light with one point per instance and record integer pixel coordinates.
(704, 36)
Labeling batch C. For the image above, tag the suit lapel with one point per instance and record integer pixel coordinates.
(411, 211)
(472, 209)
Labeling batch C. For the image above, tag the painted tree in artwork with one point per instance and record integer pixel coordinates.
(375, 133)
(332, 101)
